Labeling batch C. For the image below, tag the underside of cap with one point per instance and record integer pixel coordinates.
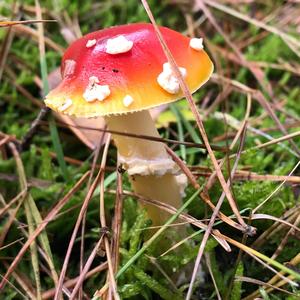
(97, 83)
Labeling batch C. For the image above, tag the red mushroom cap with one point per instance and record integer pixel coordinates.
(132, 74)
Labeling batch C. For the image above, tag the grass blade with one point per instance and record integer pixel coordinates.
(44, 73)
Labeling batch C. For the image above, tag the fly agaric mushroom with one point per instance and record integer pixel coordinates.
(120, 73)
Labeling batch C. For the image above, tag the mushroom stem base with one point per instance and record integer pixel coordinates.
(151, 170)
(160, 188)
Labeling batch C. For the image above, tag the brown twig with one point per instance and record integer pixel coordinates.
(85, 270)
(7, 41)
(213, 217)
(144, 137)
(74, 233)
(71, 282)
(170, 209)
(110, 275)
(13, 23)
(285, 238)
(41, 227)
(117, 223)
(194, 109)
(183, 168)
(276, 279)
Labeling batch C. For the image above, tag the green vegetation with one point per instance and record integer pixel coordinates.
(52, 164)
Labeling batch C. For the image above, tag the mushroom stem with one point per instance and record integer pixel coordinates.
(151, 170)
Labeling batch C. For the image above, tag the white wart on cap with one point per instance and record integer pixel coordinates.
(127, 100)
(91, 43)
(95, 91)
(118, 45)
(196, 44)
(68, 103)
(168, 80)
